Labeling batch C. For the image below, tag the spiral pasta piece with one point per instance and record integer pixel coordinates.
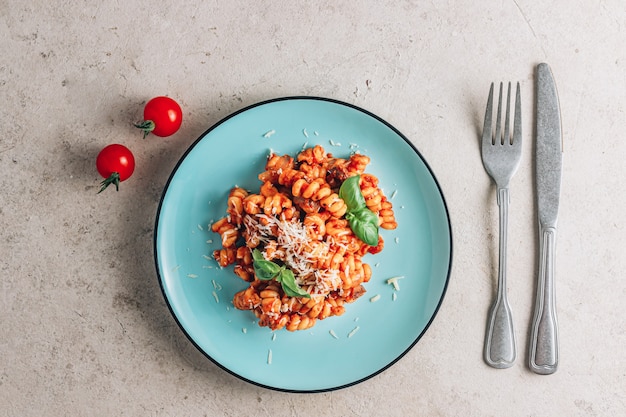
(225, 257)
(312, 156)
(371, 193)
(357, 164)
(235, 205)
(387, 217)
(334, 205)
(315, 190)
(227, 231)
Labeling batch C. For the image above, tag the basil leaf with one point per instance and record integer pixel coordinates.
(364, 224)
(350, 193)
(290, 286)
(264, 269)
(257, 255)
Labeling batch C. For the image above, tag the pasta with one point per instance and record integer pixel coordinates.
(297, 221)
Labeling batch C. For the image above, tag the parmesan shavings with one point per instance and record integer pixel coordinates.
(294, 248)
(305, 133)
(269, 356)
(375, 298)
(394, 281)
(353, 332)
(269, 133)
(217, 299)
(333, 334)
(333, 143)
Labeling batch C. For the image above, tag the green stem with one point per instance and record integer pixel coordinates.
(146, 126)
(114, 178)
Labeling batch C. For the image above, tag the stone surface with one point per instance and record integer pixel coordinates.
(85, 330)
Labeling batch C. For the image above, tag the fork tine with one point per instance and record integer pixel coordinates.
(488, 116)
(507, 132)
(498, 136)
(517, 122)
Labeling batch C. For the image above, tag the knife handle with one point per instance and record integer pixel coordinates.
(544, 349)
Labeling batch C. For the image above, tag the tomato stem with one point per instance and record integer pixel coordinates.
(146, 126)
(114, 178)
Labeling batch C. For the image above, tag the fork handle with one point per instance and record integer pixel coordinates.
(544, 350)
(500, 338)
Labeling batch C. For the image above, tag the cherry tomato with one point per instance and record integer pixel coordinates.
(115, 163)
(162, 116)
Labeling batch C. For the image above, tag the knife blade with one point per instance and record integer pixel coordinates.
(544, 350)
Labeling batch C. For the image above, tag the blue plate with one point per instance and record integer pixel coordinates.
(339, 351)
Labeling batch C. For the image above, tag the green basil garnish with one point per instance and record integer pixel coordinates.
(350, 193)
(290, 286)
(362, 221)
(364, 224)
(266, 270)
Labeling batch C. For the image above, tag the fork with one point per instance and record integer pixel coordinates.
(501, 155)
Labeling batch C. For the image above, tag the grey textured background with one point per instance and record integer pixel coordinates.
(84, 329)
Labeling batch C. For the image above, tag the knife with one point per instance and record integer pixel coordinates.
(544, 350)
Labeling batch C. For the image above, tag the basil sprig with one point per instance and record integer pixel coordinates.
(266, 270)
(362, 221)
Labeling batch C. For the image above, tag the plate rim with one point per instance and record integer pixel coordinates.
(224, 120)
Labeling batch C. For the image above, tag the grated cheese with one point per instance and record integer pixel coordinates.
(394, 281)
(375, 298)
(305, 133)
(394, 296)
(269, 356)
(269, 133)
(192, 275)
(353, 332)
(244, 330)
(217, 300)
(333, 334)
(294, 249)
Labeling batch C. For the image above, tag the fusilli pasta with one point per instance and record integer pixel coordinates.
(297, 220)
